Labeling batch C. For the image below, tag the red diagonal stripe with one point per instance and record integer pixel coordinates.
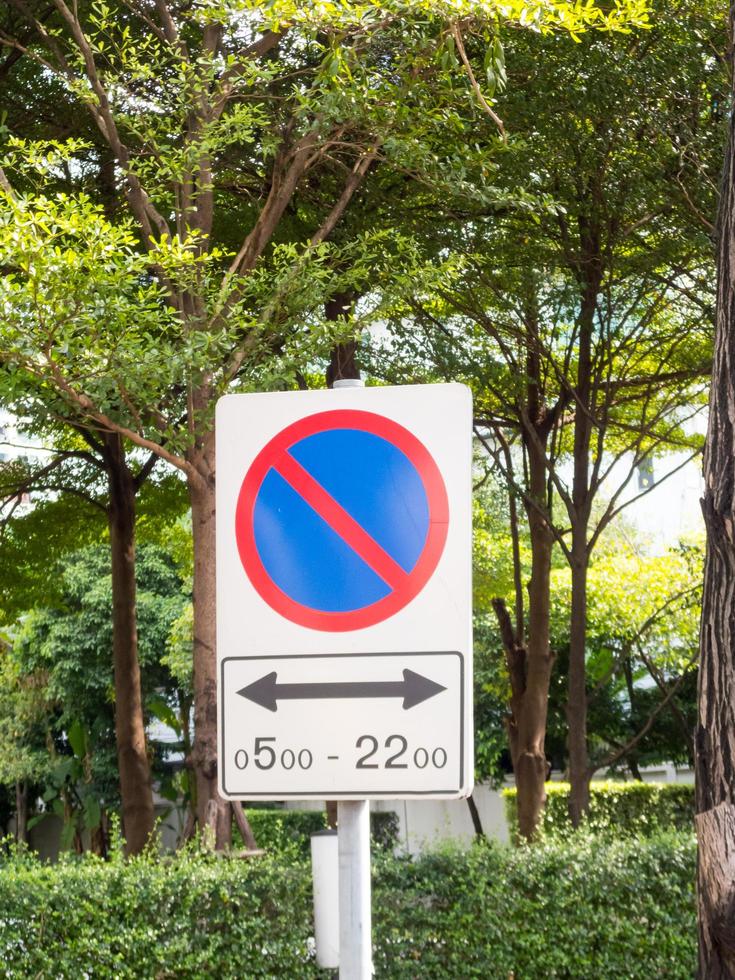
(339, 520)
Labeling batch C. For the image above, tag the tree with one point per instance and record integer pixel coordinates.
(569, 320)
(245, 114)
(715, 732)
(73, 488)
(57, 707)
(641, 653)
(93, 466)
(641, 642)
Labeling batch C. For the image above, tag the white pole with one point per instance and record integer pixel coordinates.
(325, 872)
(355, 942)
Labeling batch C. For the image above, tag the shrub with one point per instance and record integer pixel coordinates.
(611, 910)
(291, 830)
(189, 916)
(384, 829)
(278, 831)
(588, 910)
(631, 808)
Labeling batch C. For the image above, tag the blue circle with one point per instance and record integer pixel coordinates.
(378, 486)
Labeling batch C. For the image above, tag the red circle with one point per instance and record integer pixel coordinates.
(436, 496)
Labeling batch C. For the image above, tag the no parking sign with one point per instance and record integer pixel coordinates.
(341, 520)
(343, 564)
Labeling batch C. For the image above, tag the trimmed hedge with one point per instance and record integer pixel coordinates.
(150, 919)
(278, 830)
(630, 808)
(593, 910)
(605, 910)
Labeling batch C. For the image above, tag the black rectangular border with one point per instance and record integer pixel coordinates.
(351, 794)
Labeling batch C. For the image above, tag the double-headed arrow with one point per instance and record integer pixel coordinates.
(414, 688)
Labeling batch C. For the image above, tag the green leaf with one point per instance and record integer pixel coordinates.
(77, 737)
(163, 711)
(92, 812)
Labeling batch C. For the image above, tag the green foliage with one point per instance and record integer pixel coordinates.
(490, 679)
(179, 658)
(492, 565)
(620, 809)
(23, 723)
(56, 682)
(610, 910)
(70, 792)
(642, 639)
(83, 311)
(286, 831)
(29, 542)
(188, 917)
(69, 495)
(607, 910)
(289, 831)
(596, 133)
(642, 632)
(572, 15)
(638, 603)
(384, 828)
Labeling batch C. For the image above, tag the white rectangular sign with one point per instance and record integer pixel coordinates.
(344, 593)
(343, 726)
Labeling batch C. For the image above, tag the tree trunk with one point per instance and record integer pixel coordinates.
(342, 363)
(185, 717)
(211, 808)
(135, 774)
(715, 733)
(716, 892)
(343, 359)
(243, 825)
(579, 773)
(529, 758)
(530, 664)
(579, 516)
(21, 812)
(98, 837)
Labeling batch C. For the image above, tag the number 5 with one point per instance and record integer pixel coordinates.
(270, 754)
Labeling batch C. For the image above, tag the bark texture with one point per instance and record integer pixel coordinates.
(579, 770)
(716, 892)
(715, 733)
(530, 664)
(530, 716)
(343, 359)
(212, 810)
(590, 274)
(243, 825)
(135, 774)
(21, 812)
(342, 364)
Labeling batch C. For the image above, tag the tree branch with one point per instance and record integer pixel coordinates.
(614, 757)
(353, 182)
(456, 34)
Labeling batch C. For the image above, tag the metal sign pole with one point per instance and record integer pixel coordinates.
(355, 926)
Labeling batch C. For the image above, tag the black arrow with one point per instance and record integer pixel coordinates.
(414, 688)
